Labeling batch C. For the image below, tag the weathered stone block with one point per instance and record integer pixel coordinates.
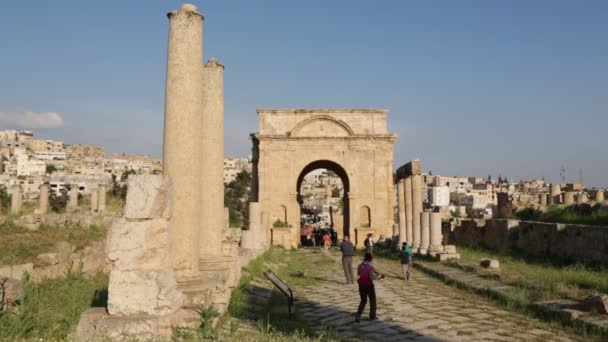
(10, 291)
(489, 263)
(449, 249)
(153, 293)
(139, 245)
(597, 303)
(142, 279)
(148, 197)
(16, 271)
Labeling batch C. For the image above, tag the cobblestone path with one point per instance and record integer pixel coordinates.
(423, 309)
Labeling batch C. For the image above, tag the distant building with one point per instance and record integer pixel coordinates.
(439, 196)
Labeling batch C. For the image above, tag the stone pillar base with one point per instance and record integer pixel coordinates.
(97, 325)
(422, 251)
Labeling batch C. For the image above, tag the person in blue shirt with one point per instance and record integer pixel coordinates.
(405, 255)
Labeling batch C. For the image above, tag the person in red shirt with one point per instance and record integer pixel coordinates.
(367, 274)
(326, 242)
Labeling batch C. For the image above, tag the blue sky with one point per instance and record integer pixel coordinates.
(516, 88)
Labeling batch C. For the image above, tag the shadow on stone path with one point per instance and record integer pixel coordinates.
(423, 309)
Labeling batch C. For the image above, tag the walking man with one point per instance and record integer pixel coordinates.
(405, 256)
(348, 250)
(367, 274)
(369, 244)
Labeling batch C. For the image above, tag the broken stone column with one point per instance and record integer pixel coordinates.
(599, 196)
(409, 216)
(555, 192)
(265, 229)
(73, 198)
(101, 193)
(16, 199)
(94, 200)
(251, 239)
(43, 199)
(212, 148)
(416, 209)
(582, 198)
(182, 153)
(542, 200)
(436, 237)
(568, 198)
(425, 237)
(401, 208)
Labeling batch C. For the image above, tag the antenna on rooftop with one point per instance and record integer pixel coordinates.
(562, 174)
(580, 176)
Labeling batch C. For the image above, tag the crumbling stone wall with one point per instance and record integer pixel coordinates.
(564, 241)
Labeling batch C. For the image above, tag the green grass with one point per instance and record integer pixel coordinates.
(49, 310)
(572, 215)
(20, 245)
(543, 278)
(273, 319)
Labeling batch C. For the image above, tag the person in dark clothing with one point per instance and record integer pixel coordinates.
(405, 257)
(368, 243)
(367, 274)
(348, 250)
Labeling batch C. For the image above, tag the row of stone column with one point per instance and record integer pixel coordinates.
(257, 237)
(556, 196)
(98, 199)
(418, 228)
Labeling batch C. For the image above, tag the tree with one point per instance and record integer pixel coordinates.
(50, 168)
(5, 198)
(236, 198)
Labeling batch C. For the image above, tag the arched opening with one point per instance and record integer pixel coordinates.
(323, 188)
(365, 218)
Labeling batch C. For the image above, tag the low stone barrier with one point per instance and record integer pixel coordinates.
(583, 243)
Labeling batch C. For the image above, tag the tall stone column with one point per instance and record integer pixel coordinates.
(94, 200)
(73, 198)
(409, 209)
(436, 237)
(417, 209)
(182, 152)
(43, 199)
(401, 204)
(599, 196)
(568, 198)
(212, 150)
(555, 193)
(542, 200)
(425, 235)
(101, 193)
(16, 199)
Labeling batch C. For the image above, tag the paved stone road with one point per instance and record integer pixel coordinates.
(423, 309)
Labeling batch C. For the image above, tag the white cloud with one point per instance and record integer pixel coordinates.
(29, 119)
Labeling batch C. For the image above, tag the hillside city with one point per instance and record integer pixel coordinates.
(30, 161)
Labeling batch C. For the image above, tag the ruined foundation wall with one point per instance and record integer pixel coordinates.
(564, 241)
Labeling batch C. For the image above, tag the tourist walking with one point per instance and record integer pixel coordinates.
(348, 251)
(367, 274)
(369, 244)
(326, 242)
(405, 256)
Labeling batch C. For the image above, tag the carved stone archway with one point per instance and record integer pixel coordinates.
(289, 140)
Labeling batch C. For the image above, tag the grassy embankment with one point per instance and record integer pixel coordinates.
(542, 278)
(593, 216)
(20, 245)
(271, 320)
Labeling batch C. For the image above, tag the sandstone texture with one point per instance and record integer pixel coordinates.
(147, 197)
(142, 279)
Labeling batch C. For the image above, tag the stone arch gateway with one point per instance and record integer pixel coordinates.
(357, 140)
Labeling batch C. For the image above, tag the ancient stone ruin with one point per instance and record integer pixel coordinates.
(172, 253)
